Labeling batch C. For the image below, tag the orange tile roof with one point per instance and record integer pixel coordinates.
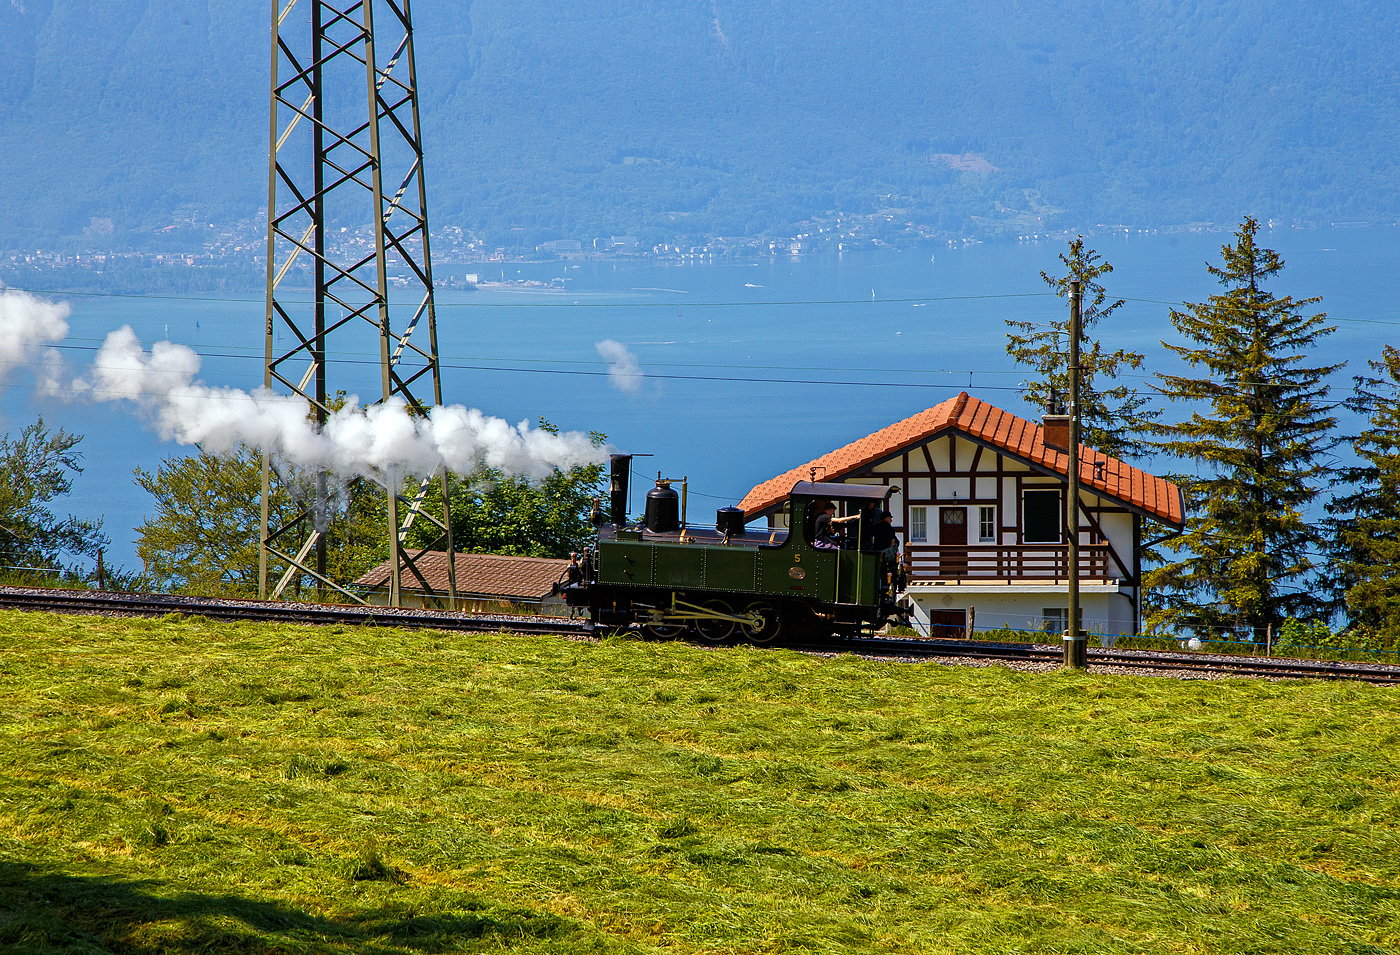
(994, 427)
(479, 575)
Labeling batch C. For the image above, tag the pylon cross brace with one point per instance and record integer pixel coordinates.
(357, 118)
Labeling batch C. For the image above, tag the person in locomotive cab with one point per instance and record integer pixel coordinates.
(809, 519)
(884, 539)
(892, 577)
(826, 534)
(822, 535)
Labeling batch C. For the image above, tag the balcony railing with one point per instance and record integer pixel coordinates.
(1011, 561)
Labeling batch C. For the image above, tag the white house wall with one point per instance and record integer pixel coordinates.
(1118, 529)
(981, 487)
(1104, 613)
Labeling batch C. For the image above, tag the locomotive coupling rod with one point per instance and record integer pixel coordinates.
(704, 613)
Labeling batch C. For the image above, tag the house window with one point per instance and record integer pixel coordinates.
(1056, 619)
(918, 524)
(986, 524)
(1040, 523)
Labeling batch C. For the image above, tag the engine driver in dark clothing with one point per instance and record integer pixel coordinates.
(827, 535)
(884, 538)
(886, 541)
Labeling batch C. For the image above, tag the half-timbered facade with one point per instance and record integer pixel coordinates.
(982, 514)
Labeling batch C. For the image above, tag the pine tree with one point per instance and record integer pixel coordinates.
(1259, 437)
(1109, 418)
(1364, 550)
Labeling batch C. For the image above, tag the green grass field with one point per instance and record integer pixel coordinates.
(180, 787)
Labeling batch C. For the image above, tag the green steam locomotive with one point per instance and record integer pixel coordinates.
(668, 578)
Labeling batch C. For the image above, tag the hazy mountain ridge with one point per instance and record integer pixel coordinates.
(737, 118)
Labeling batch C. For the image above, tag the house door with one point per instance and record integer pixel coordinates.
(947, 624)
(952, 541)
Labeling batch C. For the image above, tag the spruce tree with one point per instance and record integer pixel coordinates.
(1364, 570)
(1258, 434)
(1110, 417)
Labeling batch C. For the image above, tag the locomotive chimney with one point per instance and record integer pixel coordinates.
(621, 471)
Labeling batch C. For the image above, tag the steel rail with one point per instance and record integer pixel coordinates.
(1275, 667)
(106, 603)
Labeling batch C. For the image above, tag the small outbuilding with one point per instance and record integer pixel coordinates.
(486, 583)
(982, 515)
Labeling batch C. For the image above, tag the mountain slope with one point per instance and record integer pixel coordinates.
(721, 116)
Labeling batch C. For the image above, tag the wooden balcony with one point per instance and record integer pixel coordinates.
(1011, 562)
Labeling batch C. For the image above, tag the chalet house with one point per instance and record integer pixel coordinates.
(981, 514)
(486, 583)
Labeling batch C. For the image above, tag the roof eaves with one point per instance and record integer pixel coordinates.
(1046, 467)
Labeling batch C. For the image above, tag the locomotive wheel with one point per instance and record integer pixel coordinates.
(715, 631)
(770, 625)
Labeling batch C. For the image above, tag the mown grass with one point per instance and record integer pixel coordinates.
(180, 786)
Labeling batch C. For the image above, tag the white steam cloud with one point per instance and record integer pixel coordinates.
(623, 370)
(27, 326)
(378, 441)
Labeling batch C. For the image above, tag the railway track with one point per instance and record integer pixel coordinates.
(159, 605)
(1274, 667)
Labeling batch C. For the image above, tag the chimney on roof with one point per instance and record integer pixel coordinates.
(1055, 431)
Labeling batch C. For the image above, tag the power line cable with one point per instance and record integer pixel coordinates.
(241, 353)
(738, 379)
(667, 305)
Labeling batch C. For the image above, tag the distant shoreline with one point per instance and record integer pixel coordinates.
(518, 285)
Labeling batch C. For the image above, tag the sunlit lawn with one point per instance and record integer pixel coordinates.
(181, 786)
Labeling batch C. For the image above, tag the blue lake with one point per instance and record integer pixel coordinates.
(751, 369)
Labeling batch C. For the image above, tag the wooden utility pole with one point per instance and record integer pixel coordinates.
(1076, 649)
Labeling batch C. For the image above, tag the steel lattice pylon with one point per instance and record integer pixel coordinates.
(347, 221)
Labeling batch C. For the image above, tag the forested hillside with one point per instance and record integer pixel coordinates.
(732, 116)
